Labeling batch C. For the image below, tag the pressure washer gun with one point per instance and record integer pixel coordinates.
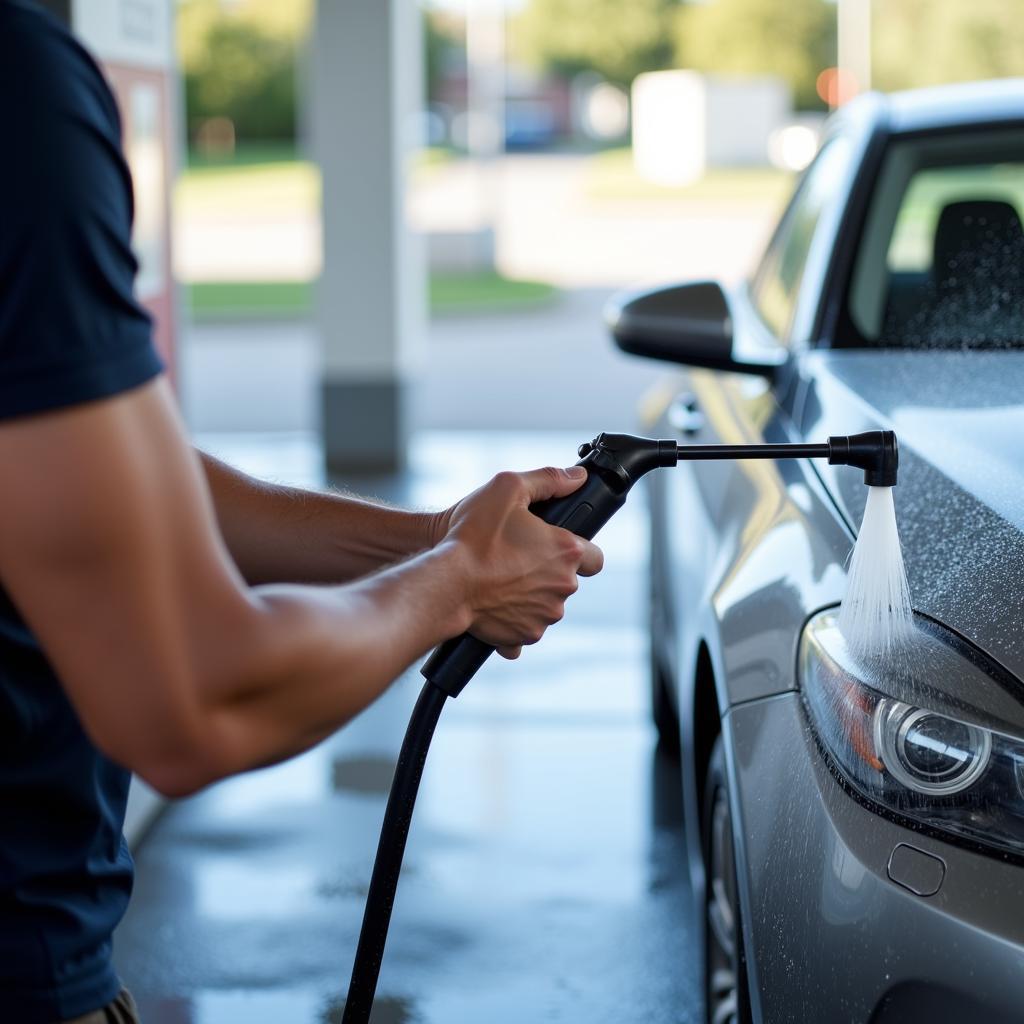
(614, 463)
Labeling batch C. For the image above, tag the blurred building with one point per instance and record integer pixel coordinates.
(538, 108)
(685, 122)
(134, 41)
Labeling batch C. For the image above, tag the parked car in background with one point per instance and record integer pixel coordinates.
(856, 831)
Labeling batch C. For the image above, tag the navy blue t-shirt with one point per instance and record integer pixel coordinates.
(70, 332)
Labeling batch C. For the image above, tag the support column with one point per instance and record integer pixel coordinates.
(854, 44)
(366, 85)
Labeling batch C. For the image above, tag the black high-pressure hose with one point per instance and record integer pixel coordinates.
(380, 899)
(614, 463)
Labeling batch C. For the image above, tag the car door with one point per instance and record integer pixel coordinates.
(706, 515)
(702, 508)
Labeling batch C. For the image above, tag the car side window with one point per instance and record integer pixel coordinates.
(955, 259)
(940, 258)
(775, 287)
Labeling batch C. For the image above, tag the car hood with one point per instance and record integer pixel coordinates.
(959, 418)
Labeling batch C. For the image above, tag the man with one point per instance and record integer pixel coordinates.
(146, 624)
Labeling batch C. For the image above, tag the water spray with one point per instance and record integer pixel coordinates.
(876, 618)
(614, 463)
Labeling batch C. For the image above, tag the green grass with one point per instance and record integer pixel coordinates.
(269, 178)
(485, 291)
(211, 301)
(245, 155)
(234, 300)
(611, 175)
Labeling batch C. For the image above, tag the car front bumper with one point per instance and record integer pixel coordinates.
(829, 935)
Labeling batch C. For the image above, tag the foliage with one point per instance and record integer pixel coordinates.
(617, 39)
(239, 58)
(952, 41)
(239, 61)
(249, 79)
(794, 39)
(444, 46)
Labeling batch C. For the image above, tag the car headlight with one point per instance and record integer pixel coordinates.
(934, 737)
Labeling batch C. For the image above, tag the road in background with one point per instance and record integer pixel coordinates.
(554, 219)
(546, 367)
(541, 368)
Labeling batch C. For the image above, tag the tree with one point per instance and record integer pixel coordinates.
(618, 39)
(239, 62)
(444, 41)
(794, 39)
(953, 41)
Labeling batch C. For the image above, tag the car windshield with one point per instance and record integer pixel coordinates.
(940, 262)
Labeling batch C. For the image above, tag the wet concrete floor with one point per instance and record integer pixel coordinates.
(545, 877)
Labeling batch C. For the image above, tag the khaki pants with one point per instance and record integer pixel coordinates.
(121, 1011)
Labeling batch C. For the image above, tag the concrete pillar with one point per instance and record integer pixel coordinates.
(366, 84)
(854, 45)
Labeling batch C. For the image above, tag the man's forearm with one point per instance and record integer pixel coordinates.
(281, 534)
(312, 659)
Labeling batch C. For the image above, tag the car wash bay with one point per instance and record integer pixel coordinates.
(545, 878)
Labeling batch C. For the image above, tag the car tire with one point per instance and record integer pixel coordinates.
(663, 711)
(663, 708)
(725, 974)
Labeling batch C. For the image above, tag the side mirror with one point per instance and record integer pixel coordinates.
(684, 323)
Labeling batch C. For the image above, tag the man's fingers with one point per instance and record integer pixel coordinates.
(551, 482)
(510, 652)
(593, 560)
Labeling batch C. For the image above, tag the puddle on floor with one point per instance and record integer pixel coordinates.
(370, 775)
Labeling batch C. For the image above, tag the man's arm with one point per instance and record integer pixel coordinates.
(110, 549)
(277, 533)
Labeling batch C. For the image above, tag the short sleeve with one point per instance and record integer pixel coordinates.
(71, 330)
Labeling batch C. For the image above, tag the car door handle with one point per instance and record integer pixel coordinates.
(684, 415)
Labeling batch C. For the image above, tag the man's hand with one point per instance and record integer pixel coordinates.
(280, 534)
(522, 569)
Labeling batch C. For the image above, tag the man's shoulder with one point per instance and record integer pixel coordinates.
(44, 70)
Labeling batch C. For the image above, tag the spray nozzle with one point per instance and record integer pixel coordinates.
(874, 451)
(624, 458)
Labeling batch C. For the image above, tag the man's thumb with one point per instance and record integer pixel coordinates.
(553, 483)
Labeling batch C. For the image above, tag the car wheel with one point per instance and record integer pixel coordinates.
(663, 709)
(724, 962)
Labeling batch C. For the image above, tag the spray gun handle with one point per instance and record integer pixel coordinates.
(583, 512)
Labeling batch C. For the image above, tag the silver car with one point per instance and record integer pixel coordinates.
(856, 831)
